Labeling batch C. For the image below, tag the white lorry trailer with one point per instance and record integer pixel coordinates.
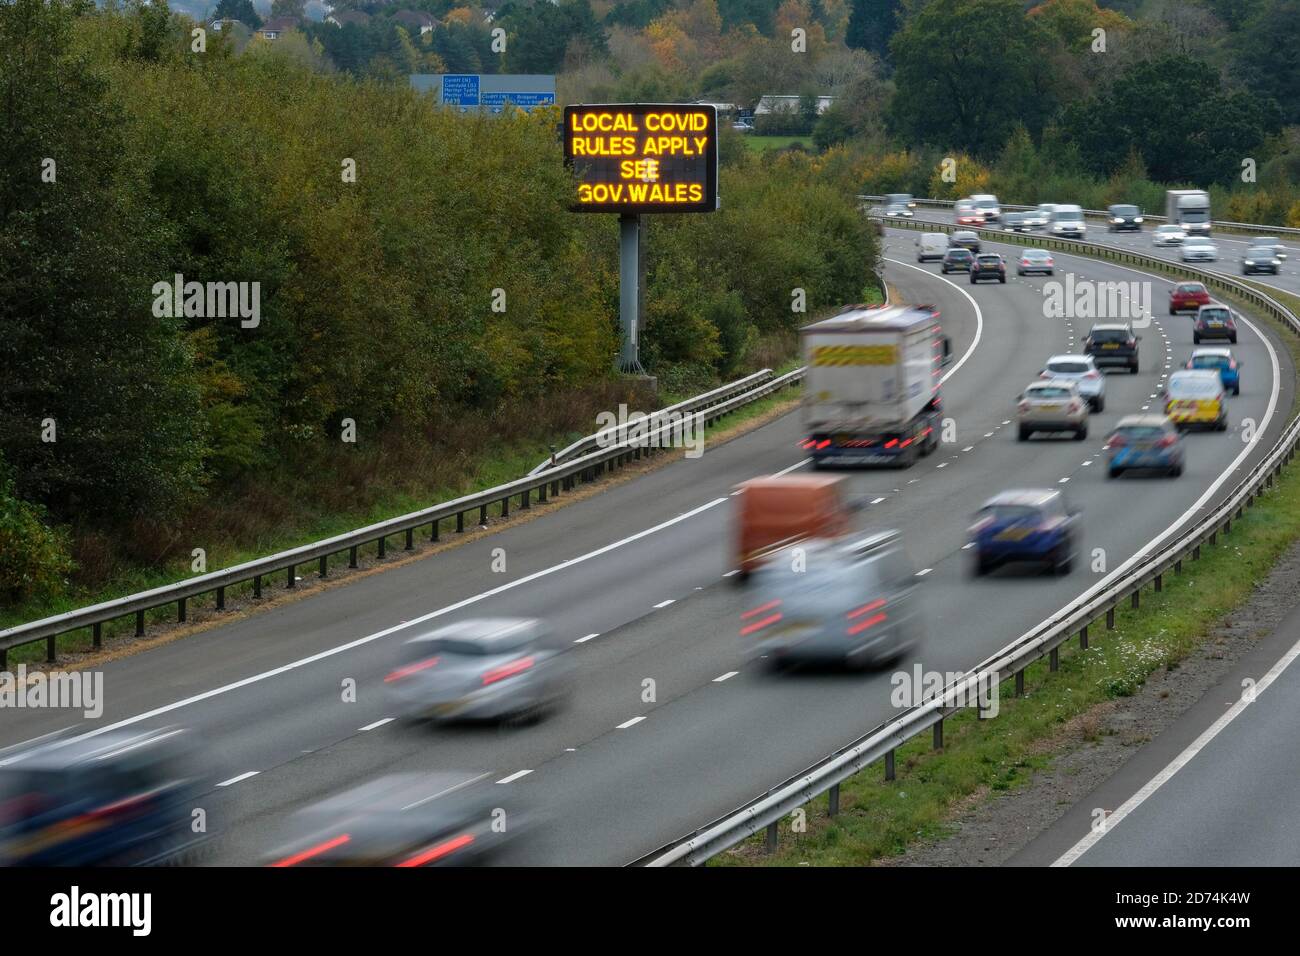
(1189, 208)
(871, 386)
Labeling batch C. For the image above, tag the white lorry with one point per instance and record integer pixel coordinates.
(871, 386)
(1189, 208)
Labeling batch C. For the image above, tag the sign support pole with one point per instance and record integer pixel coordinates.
(631, 275)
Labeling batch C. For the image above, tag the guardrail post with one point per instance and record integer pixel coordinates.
(433, 529)
(1137, 599)
(291, 577)
(139, 623)
(555, 489)
(938, 735)
(1196, 553)
(1160, 583)
(889, 765)
(526, 499)
(482, 515)
(1083, 638)
(257, 585)
(1054, 660)
(221, 598)
(833, 800)
(773, 832)
(1110, 619)
(4, 658)
(1227, 525)
(180, 611)
(97, 634)
(1214, 536)
(505, 507)
(51, 655)
(541, 494)
(460, 521)
(383, 546)
(410, 539)
(324, 567)
(352, 556)
(1178, 566)
(1020, 683)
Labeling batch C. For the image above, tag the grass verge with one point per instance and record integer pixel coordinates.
(879, 819)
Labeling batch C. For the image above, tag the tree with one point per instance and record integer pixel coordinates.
(542, 33)
(241, 10)
(948, 95)
(1266, 54)
(289, 8)
(871, 25)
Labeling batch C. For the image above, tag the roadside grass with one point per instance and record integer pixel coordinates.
(880, 819)
(503, 464)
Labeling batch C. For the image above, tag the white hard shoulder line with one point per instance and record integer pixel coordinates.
(331, 652)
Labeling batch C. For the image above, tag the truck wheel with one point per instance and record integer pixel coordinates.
(1099, 405)
(1113, 472)
(982, 566)
(1236, 389)
(1196, 339)
(1081, 434)
(1023, 433)
(1232, 339)
(1133, 369)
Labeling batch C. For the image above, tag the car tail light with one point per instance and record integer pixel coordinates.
(1131, 342)
(1044, 374)
(508, 670)
(1093, 374)
(765, 613)
(310, 852)
(1232, 363)
(1075, 405)
(409, 669)
(864, 618)
(1116, 441)
(438, 851)
(1024, 405)
(1166, 442)
(824, 443)
(1231, 324)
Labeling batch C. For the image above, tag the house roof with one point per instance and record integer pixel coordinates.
(344, 17)
(279, 25)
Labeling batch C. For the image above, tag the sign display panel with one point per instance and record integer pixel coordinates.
(643, 158)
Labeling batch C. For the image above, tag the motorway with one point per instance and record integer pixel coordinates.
(636, 575)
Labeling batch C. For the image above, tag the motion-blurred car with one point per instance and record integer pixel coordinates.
(1083, 372)
(1144, 441)
(482, 669)
(1188, 297)
(1052, 406)
(1199, 249)
(1271, 242)
(403, 820)
(853, 602)
(1068, 221)
(965, 214)
(1214, 321)
(931, 245)
(987, 205)
(1168, 234)
(965, 239)
(774, 512)
(121, 798)
(1030, 525)
(1040, 216)
(988, 265)
(1016, 222)
(900, 199)
(957, 259)
(898, 210)
(1196, 397)
(1221, 360)
(1036, 260)
(1260, 259)
(1123, 218)
(1113, 343)
(742, 126)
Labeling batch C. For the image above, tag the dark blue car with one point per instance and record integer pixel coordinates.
(1029, 525)
(1221, 360)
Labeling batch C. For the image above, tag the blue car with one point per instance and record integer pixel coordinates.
(1222, 359)
(1142, 442)
(1030, 525)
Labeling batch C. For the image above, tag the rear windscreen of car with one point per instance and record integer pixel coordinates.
(1010, 513)
(1141, 432)
(959, 254)
(990, 260)
(1109, 335)
(1215, 315)
(1193, 389)
(1067, 368)
(469, 648)
(1191, 289)
(1124, 210)
(1261, 252)
(1048, 394)
(1209, 361)
(1035, 254)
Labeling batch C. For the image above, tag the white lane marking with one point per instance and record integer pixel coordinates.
(968, 448)
(732, 573)
(628, 723)
(1087, 463)
(584, 640)
(242, 776)
(377, 723)
(968, 546)
(369, 638)
(785, 471)
(876, 501)
(665, 603)
(726, 676)
(1184, 758)
(514, 776)
(979, 316)
(942, 464)
(923, 572)
(1063, 480)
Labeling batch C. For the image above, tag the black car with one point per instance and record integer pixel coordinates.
(988, 265)
(957, 259)
(1123, 218)
(1260, 259)
(1016, 222)
(965, 239)
(1214, 321)
(1113, 344)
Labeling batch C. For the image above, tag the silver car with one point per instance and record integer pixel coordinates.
(1052, 406)
(1168, 234)
(1273, 242)
(1199, 249)
(846, 601)
(896, 210)
(1083, 372)
(481, 669)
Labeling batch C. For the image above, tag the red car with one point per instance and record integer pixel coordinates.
(1188, 297)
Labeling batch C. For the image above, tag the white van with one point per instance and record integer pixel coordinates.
(1068, 221)
(931, 245)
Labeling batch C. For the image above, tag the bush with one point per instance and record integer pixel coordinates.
(34, 561)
